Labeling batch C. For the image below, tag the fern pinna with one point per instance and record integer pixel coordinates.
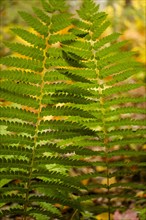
(68, 107)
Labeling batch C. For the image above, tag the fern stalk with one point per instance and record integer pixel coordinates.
(105, 138)
(37, 123)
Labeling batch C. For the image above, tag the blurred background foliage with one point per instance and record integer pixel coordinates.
(127, 17)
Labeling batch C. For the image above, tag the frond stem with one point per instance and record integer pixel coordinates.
(72, 217)
(105, 139)
(37, 126)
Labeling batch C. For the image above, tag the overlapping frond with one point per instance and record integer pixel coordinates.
(117, 132)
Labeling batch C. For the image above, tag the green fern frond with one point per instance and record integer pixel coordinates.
(110, 50)
(22, 127)
(100, 30)
(106, 65)
(19, 75)
(42, 15)
(80, 48)
(126, 132)
(14, 150)
(127, 153)
(125, 110)
(51, 6)
(29, 37)
(65, 111)
(114, 58)
(120, 77)
(87, 10)
(120, 88)
(54, 38)
(105, 40)
(128, 141)
(22, 63)
(19, 99)
(21, 88)
(119, 67)
(64, 97)
(124, 100)
(35, 23)
(64, 105)
(125, 122)
(13, 163)
(60, 21)
(29, 51)
(75, 76)
(16, 139)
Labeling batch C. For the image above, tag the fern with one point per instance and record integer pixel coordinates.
(61, 89)
(106, 66)
(27, 134)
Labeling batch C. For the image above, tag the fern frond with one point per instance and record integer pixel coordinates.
(119, 67)
(125, 122)
(126, 132)
(115, 59)
(19, 75)
(105, 40)
(110, 50)
(126, 110)
(60, 160)
(124, 100)
(80, 48)
(13, 163)
(66, 102)
(127, 153)
(75, 76)
(22, 127)
(16, 139)
(63, 97)
(128, 141)
(19, 99)
(100, 30)
(51, 6)
(9, 174)
(29, 51)
(120, 89)
(14, 150)
(120, 77)
(60, 21)
(65, 111)
(54, 38)
(42, 15)
(34, 23)
(21, 88)
(29, 37)
(126, 164)
(22, 63)
(86, 74)
(89, 10)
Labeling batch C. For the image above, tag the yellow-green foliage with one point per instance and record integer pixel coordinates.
(68, 102)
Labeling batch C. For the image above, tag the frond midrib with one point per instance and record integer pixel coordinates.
(44, 70)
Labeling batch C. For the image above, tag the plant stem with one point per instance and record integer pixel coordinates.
(72, 217)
